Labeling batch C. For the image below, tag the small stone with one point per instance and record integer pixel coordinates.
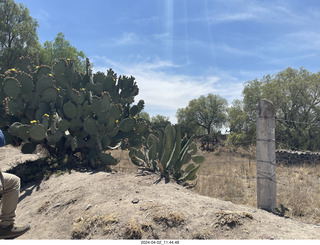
(135, 201)
(88, 206)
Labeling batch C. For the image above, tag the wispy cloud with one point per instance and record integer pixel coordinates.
(127, 38)
(236, 11)
(162, 35)
(165, 92)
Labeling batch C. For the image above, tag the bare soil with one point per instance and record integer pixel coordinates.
(119, 205)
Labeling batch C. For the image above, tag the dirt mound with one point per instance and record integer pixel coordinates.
(100, 205)
(125, 206)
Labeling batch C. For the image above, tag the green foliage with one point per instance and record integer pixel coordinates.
(18, 35)
(68, 112)
(168, 153)
(61, 48)
(295, 94)
(159, 122)
(206, 113)
(242, 130)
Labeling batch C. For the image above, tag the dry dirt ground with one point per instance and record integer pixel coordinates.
(101, 205)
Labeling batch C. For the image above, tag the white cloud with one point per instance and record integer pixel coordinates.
(127, 38)
(162, 35)
(165, 92)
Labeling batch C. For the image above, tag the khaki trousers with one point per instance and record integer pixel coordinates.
(10, 197)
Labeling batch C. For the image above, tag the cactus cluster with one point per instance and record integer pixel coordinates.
(168, 153)
(67, 110)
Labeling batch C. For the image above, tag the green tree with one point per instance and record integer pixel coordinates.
(18, 34)
(207, 113)
(159, 122)
(295, 94)
(242, 130)
(145, 115)
(61, 48)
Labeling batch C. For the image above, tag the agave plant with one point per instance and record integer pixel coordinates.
(170, 154)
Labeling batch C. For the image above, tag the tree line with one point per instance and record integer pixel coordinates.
(296, 97)
(294, 92)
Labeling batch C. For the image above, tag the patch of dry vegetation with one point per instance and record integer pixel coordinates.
(88, 224)
(231, 176)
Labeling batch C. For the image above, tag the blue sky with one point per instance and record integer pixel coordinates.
(179, 50)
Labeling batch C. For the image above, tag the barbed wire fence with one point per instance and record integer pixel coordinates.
(271, 178)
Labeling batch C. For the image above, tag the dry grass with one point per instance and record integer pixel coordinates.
(227, 177)
(87, 224)
(297, 189)
(232, 177)
(230, 174)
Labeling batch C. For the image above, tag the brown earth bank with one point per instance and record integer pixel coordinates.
(101, 205)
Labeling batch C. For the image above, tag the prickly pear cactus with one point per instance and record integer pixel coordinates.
(68, 111)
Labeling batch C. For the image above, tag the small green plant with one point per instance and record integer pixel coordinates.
(168, 153)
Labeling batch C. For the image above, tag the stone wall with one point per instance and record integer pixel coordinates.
(297, 157)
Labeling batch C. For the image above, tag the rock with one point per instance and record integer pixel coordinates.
(57, 205)
(88, 206)
(135, 201)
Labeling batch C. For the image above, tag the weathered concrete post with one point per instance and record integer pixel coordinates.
(266, 156)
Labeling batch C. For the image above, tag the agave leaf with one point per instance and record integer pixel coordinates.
(198, 159)
(189, 175)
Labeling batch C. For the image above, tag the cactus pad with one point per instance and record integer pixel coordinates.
(26, 82)
(12, 87)
(107, 159)
(127, 125)
(63, 125)
(105, 142)
(75, 124)
(44, 83)
(70, 110)
(60, 67)
(115, 111)
(37, 132)
(90, 126)
(11, 107)
(49, 95)
(28, 148)
(77, 96)
(14, 128)
(23, 132)
(43, 70)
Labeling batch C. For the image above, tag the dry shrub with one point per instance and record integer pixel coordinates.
(202, 235)
(232, 219)
(170, 219)
(133, 230)
(84, 225)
